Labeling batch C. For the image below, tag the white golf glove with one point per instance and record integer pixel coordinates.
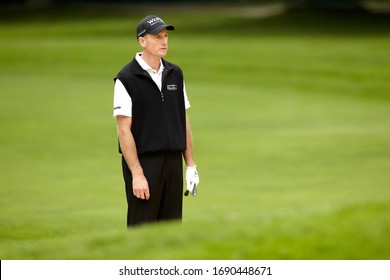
(192, 180)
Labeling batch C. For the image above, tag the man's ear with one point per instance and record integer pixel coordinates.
(142, 42)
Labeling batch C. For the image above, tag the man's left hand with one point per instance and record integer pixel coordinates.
(192, 180)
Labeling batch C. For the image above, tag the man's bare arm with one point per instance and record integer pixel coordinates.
(188, 153)
(129, 151)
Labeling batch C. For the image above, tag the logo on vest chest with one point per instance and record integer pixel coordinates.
(172, 87)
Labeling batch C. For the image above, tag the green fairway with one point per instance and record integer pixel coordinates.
(291, 123)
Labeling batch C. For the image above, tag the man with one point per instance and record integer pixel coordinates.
(154, 132)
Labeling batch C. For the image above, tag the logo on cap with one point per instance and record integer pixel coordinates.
(142, 33)
(155, 20)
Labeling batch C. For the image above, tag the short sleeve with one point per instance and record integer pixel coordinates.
(186, 101)
(122, 100)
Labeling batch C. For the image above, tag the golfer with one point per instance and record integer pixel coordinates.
(154, 132)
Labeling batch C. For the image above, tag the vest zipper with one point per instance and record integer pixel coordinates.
(162, 82)
(164, 78)
(162, 96)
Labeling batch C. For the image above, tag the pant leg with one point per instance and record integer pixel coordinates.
(164, 173)
(141, 211)
(171, 207)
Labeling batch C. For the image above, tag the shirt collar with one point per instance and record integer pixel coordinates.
(146, 66)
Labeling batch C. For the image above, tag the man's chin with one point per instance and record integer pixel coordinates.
(163, 53)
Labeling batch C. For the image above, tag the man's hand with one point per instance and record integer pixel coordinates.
(141, 187)
(192, 180)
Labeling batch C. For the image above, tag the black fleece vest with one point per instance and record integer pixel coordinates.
(158, 117)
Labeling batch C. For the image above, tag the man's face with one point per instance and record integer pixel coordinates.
(155, 44)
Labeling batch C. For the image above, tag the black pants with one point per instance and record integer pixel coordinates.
(164, 173)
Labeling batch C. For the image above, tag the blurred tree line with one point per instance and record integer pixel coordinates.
(312, 4)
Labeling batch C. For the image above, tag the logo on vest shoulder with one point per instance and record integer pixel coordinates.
(172, 87)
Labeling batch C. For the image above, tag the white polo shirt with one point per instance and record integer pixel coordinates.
(122, 100)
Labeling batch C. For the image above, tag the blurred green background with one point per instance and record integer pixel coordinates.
(290, 115)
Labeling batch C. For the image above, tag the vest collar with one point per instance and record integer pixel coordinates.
(139, 69)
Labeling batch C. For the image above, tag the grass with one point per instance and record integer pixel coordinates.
(291, 122)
